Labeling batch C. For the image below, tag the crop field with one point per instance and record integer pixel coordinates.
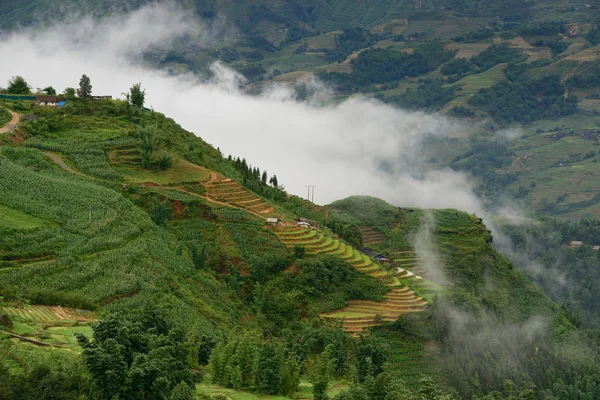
(180, 172)
(49, 314)
(408, 356)
(231, 192)
(45, 325)
(467, 50)
(372, 236)
(358, 315)
(11, 219)
(324, 41)
(473, 83)
(117, 254)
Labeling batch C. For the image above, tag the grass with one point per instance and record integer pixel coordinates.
(304, 392)
(180, 171)
(5, 117)
(12, 219)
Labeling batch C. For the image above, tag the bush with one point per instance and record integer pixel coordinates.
(164, 162)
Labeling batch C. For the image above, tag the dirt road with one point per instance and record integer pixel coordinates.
(12, 124)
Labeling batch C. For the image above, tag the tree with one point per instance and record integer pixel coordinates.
(264, 177)
(182, 392)
(147, 137)
(135, 360)
(160, 212)
(273, 181)
(85, 87)
(50, 91)
(290, 375)
(137, 95)
(18, 85)
(322, 373)
(69, 93)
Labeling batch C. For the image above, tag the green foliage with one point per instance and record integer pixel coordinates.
(182, 392)
(323, 372)
(18, 85)
(147, 141)
(132, 360)
(375, 66)
(495, 55)
(5, 116)
(41, 374)
(430, 95)
(573, 283)
(299, 252)
(160, 212)
(85, 87)
(164, 161)
(137, 95)
(50, 91)
(526, 100)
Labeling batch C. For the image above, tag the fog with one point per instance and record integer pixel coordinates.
(343, 149)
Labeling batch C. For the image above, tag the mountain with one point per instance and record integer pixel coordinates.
(116, 215)
(526, 67)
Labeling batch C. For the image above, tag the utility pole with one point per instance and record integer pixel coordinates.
(308, 197)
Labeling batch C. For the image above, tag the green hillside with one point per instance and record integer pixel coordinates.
(113, 214)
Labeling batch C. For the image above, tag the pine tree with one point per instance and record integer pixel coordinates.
(264, 177)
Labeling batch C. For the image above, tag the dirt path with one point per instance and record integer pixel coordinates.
(59, 161)
(180, 189)
(12, 123)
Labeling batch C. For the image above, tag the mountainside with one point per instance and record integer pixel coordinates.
(528, 67)
(115, 214)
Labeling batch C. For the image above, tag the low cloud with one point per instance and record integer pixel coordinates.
(360, 146)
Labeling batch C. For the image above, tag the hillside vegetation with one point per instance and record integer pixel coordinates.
(144, 252)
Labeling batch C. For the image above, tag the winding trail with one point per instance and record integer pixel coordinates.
(59, 161)
(12, 124)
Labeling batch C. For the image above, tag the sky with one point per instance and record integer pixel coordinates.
(338, 148)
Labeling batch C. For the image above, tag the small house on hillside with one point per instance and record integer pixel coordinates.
(596, 248)
(47, 101)
(273, 222)
(576, 243)
(303, 224)
(101, 97)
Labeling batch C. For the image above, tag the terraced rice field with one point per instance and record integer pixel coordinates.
(52, 314)
(371, 236)
(128, 154)
(358, 315)
(231, 192)
(415, 271)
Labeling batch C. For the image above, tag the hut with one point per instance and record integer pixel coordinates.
(273, 222)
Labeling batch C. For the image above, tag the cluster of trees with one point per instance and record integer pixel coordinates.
(259, 182)
(133, 359)
(379, 66)
(350, 40)
(568, 275)
(349, 232)
(525, 100)
(474, 37)
(497, 54)
(483, 160)
(321, 284)
(429, 95)
(249, 362)
(18, 85)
